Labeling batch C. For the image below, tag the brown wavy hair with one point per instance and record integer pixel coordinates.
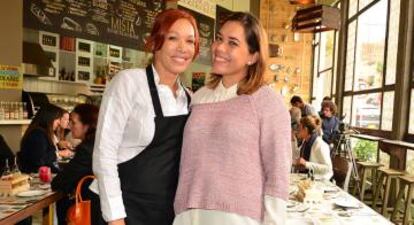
(256, 39)
(311, 123)
(43, 120)
(329, 104)
(88, 115)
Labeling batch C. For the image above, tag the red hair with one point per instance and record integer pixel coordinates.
(162, 24)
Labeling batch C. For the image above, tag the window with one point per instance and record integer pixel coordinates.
(370, 48)
(366, 110)
(370, 67)
(411, 123)
(392, 42)
(324, 65)
(411, 108)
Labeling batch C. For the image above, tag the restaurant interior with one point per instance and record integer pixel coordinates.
(357, 55)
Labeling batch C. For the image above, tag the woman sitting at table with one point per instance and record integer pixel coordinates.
(61, 132)
(314, 152)
(83, 122)
(37, 145)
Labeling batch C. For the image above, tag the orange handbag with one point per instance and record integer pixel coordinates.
(80, 212)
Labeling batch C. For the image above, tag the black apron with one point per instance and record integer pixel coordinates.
(149, 180)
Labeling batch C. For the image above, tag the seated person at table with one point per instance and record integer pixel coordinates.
(83, 126)
(295, 115)
(314, 152)
(330, 123)
(306, 109)
(37, 145)
(62, 131)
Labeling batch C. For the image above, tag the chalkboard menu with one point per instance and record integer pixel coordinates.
(206, 29)
(125, 23)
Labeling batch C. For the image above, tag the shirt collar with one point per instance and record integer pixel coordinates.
(232, 90)
(180, 90)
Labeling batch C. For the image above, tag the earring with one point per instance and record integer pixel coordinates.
(249, 63)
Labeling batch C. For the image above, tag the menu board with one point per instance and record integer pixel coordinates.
(10, 77)
(125, 23)
(205, 26)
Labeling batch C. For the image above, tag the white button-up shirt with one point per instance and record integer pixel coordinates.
(125, 128)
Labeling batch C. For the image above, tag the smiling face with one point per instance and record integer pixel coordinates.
(55, 124)
(78, 129)
(64, 121)
(178, 49)
(231, 56)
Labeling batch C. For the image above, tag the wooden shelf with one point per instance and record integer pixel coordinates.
(15, 122)
(367, 137)
(97, 85)
(67, 51)
(402, 144)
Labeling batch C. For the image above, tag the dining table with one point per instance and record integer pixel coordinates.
(336, 207)
(25, 204)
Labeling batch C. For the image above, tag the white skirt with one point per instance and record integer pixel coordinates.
(212, 217)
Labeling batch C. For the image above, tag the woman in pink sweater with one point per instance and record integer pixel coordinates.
(236, 152)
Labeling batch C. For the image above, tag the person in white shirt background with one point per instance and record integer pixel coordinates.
(314, 152)
(139, 135)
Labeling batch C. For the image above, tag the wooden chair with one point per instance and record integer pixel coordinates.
(386, 176)
(365, 169)
(405, 195)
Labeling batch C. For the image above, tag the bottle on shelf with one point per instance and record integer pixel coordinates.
(21, 114)
(25, 113)
(2, 110)
(7, 111)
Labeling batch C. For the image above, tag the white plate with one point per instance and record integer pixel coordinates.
(31, 193)
(302, 221)
(44, 186)
(330, 189)
(347, 203)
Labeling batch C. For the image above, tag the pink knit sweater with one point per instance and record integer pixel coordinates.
(235, 152)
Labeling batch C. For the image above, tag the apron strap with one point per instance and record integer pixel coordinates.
(188, 97)
(154, 93)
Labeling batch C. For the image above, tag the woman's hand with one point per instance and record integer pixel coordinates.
(65, 153)
(301, 161)
(65, 145)
(117, 222)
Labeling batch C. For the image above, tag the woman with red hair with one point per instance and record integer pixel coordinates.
(139, 134)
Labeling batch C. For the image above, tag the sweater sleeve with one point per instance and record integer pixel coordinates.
(275, 144)
(115, 109)
(321, 161)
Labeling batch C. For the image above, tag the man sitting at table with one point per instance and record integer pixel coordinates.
(314, 152)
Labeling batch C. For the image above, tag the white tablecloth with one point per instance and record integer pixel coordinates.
(326, 212)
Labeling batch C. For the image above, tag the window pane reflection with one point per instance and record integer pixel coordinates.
(369, 62)
(366, 110)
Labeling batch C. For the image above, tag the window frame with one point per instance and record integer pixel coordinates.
(316, 46)
(410, 136)
(384, 87)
